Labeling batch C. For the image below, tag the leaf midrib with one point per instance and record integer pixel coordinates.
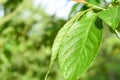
(80, 14)
(115, 17)
(86, 38)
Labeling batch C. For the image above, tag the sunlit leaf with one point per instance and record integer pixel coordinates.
(79, 46)
(59, 38)
(111, 17)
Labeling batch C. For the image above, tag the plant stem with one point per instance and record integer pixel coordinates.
(81, 13)
(94, 6)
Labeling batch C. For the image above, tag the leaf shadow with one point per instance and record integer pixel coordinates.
(98, 23)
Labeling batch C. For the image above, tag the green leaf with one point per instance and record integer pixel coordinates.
(79, 46)
(111, 17)
(62, 33)
(59, 38)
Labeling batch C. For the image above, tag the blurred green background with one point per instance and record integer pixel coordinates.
(26, 37)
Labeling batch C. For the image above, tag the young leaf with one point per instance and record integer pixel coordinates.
(79, 46)
(111, 17)
(62, 33)
(59, 38)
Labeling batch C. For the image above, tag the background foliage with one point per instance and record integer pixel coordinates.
(26, 37)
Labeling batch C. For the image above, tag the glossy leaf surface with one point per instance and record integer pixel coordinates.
(79, 46)
(111, 17)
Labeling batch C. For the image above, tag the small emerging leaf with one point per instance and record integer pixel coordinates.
(111, 17)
